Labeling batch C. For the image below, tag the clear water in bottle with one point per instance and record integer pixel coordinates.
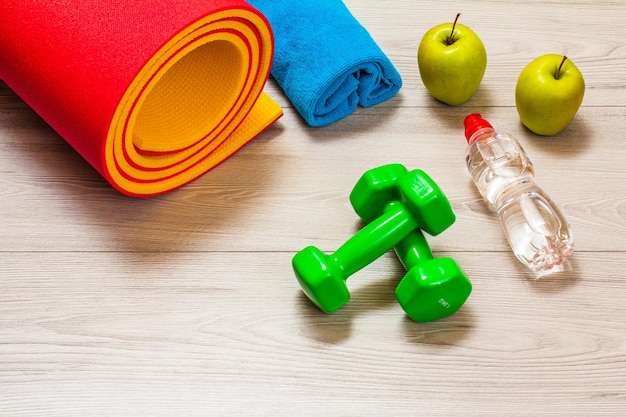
(537, 231)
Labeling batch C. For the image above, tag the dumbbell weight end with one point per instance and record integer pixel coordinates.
(321, 279)
(433, 288)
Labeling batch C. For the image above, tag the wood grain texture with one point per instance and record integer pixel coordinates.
(186, 304)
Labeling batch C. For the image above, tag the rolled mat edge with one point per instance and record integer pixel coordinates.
(153, 94)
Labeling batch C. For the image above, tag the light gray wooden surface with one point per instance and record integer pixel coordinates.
(186, 304)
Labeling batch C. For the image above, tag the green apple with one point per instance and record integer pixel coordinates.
(452, 61)
(548, 94)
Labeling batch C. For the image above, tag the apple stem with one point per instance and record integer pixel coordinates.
(558, 70)
(451, 38)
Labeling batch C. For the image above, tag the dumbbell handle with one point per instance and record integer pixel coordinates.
(373, 240)
(413, 250)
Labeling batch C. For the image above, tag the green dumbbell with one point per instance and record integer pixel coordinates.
(433, 288)
(414, 201)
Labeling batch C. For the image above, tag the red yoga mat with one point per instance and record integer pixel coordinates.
(152, 93)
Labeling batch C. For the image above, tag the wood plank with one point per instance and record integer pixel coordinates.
(293, 184)
(231, 332)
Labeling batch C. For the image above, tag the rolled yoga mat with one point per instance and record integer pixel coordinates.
(325, 61)
(152, 93)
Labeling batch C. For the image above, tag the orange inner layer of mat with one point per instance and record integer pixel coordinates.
(192, 106)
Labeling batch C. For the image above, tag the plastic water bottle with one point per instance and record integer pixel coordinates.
(534, 226)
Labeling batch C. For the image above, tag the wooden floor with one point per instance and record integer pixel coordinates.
(186, 304)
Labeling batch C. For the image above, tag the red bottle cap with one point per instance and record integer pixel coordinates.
(473, 123)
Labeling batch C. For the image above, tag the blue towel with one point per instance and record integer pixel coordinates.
(325, 60)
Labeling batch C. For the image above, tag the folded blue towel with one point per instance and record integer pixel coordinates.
(325, 60)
